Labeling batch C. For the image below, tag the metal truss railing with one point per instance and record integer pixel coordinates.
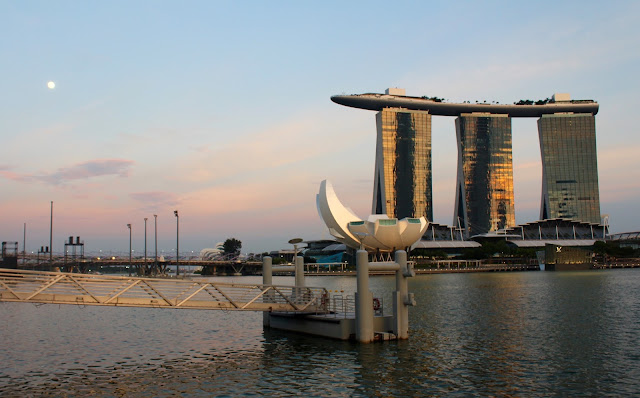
(344, 306)
(84, 289)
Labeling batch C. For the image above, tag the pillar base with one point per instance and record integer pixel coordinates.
(332, 326)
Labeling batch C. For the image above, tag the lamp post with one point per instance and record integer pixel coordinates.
(51, 236)
(175, 212)
(295, 242)
(144, 267)
(155, 222)
(130, 265)
(24, 245)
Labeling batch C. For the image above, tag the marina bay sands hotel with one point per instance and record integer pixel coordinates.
(484, 199)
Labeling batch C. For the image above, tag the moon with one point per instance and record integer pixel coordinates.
(51, 85)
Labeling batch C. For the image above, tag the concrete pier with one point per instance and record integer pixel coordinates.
(364, 299)
(359, 323)
(267, 279)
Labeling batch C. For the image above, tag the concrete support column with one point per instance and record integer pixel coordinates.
(364, 300)
(401, 298)
(267, 279)
(299, 264)
(267, 272)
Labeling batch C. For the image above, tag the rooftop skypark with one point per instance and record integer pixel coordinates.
(559, 103)
(484, 199)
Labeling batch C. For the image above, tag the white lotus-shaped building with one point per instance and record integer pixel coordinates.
(377, 233)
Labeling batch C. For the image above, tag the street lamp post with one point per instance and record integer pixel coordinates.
(155, 222)
(144, 267)
(51, 237)
(130, 265)
(295, 242)
(24, 245)
(175, 212)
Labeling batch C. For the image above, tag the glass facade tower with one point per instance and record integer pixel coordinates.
(569, 167)
(484, 200)
(484, 189)
(402, 180)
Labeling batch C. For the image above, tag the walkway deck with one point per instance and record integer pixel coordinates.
(84, 289)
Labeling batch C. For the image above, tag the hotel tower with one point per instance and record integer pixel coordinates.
(484, 200)
(484, 189)
(569, 167)
(402, 179)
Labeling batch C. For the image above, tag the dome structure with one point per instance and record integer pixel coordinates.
(209, 254)
(377, 233)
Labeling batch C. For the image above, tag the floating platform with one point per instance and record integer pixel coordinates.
(336, 326)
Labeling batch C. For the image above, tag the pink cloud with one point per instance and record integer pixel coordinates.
(80, 171)
(92, 168)
(155, 199)
(5, 171)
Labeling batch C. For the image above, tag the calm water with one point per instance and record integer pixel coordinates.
(488, 334)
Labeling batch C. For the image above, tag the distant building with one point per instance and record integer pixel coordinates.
(212, 253)
(626, 239)
(484, 190)
(378, 233)
(569, 167)
(402, 180)
(446, 238)
(556, 231)
(325, 251)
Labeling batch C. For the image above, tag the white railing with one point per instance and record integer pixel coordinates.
(83, 289)
(344, 306)
(325, 267)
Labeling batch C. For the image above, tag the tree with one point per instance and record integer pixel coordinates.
(232, 246)
(613, 249)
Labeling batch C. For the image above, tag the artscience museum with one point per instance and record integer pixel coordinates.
(378, 233)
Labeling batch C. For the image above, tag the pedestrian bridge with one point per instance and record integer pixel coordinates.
(120, 291)
(295, 308)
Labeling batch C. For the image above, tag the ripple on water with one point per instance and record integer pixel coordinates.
(512, 334)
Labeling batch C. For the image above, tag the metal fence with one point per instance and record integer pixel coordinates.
(83, 289)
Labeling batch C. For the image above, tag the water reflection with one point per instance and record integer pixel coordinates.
(504, 334)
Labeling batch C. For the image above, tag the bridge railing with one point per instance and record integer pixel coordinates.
(342, 306)
(83, 289)
(325, 267)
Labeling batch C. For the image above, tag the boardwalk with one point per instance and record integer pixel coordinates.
(82, 289)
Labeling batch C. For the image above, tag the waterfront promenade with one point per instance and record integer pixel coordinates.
(221, 268)
(432, 268)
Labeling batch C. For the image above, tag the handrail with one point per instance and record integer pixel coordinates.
(106, 290)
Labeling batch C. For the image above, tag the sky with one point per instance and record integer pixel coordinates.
(221, 110)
